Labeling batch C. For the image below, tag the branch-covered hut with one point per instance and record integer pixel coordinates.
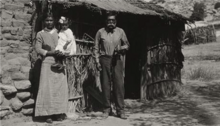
(154, 61)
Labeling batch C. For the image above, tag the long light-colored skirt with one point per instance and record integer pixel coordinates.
(52, 95)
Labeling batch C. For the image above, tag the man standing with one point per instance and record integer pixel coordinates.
(110, 46)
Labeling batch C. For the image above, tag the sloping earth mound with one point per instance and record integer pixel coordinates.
(185, 7)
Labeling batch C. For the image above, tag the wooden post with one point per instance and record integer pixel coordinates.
(43, 10)
(214, 32)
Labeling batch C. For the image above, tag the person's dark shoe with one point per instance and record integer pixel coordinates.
(49, 120)
(60, 117)
(64, 116)
(122, 116)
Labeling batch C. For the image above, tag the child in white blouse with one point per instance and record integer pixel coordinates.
(66, 42)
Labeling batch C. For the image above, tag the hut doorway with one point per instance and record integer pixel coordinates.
(132, 70)
(135, 35)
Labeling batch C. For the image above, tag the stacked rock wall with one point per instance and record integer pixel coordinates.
(15, 66)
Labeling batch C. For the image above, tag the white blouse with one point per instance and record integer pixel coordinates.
(64, 37)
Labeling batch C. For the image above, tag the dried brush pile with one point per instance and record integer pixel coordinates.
(162, 76)
(202, 73)
(81, 71)
(200, 35)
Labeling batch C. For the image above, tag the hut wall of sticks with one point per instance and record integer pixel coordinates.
(161, 75)
(153, 63)
(197, 35)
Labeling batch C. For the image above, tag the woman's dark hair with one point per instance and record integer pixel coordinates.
(48, 15)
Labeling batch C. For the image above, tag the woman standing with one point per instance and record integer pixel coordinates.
(52, 98)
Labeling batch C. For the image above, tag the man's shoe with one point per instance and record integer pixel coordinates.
(122, 116)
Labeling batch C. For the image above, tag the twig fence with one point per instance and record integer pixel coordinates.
(81, 72)
(161, 75)
(199, 35)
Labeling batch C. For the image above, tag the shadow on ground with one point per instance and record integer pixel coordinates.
(198, 107)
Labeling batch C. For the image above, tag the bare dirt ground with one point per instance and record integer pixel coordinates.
(198, 103)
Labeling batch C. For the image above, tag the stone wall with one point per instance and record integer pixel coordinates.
(15, 65)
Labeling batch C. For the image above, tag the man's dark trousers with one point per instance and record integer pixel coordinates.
(112, 70)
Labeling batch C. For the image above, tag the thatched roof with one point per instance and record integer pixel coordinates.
(108, 5)
(137, 7)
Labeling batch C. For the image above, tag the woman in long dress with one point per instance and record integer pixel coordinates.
(52, 97)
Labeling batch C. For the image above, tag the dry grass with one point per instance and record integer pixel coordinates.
(209, 51)
(201, 62)
(202, 68)
(202, 73)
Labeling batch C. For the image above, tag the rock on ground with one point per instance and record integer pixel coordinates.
(16, 104)
(29, 111)
(4, 111)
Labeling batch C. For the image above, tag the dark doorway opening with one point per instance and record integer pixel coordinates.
(132, 71)
(133, 30)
